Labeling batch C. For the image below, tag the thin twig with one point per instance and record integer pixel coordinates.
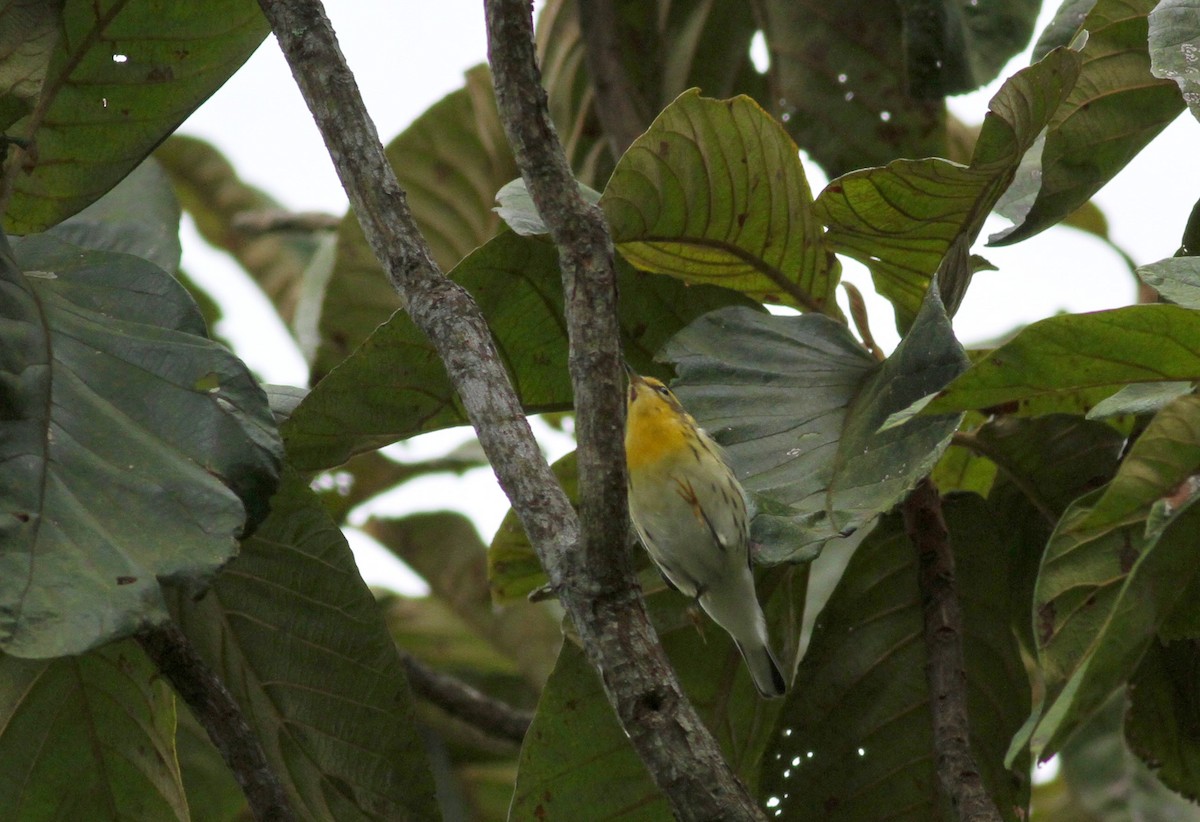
(600, 591)
(618, 103)
(271, 221)
(215, 709)
(460, 700)
(945, 671)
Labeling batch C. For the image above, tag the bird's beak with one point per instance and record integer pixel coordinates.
(634, 377)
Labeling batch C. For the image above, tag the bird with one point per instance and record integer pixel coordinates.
(689, 510)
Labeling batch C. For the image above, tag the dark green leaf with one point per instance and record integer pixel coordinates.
(88, 737)
(1163, 724)
(1068, 353)
(715, 193)
(1175, 45)
(134, 448)
(838, 77)
(1107, 780)
(854, 741)
(120, 78)
(395, 386)
(577, 763)
(901, 220)
(956, 46)
(1139, 398)
(213, 793)
(1063, 27)
(1113, 111)
(296, 635)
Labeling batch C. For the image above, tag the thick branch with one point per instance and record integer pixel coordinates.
(460, 700)
(600, 591)
(443, 310)
(945, 670)
(216, 710)
(618, 104)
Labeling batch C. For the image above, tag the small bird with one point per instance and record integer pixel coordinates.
(690, 512)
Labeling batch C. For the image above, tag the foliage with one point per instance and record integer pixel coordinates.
(146, 475)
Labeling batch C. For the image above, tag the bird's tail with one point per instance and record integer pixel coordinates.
(764, 670)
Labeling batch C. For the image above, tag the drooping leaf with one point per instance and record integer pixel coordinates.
(797, 403)
(395, 386)
(577, 763)
(214, 195)
(901, 220)
(134, 448)
(1138, 398)
(1163, 723)
(956, 46)
(297, 637)
(88, 737)
(775, 392)
(837, 73)
(1102, 594)
(121, 76)
(714, 192)
(1113, 111)
(1103, 351)
(451, 162)
(854, 741)
(874, 469)
(446, 551)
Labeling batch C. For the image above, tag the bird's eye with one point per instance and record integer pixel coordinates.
(662, 389)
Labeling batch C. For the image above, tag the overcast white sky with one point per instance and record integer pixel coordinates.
(409, 55)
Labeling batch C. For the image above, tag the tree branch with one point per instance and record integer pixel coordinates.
(460, 700)
(945, 669)
(599, 589)
(216, 710)
(618, 104)
(441, 308)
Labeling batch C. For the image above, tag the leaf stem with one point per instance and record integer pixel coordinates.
(215, 709)
(460, 700)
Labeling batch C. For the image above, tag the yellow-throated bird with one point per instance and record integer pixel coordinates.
(690, 512)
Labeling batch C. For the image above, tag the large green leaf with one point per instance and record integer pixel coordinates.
(577, 763)
(1103, 350)
(901, 220)
(122, 76)
(296, 635)
(837, 72)
(1174, 42)
(134, 448)
(715, 193)
(213, 793)
(955, 46)
(1102, 593)
(1113, 111)
(855, 739)
(1163, 724)
(797, 403)
(88, 737)
(451, 162)
(395, 386)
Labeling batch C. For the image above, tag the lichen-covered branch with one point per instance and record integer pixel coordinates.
(599, 589)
